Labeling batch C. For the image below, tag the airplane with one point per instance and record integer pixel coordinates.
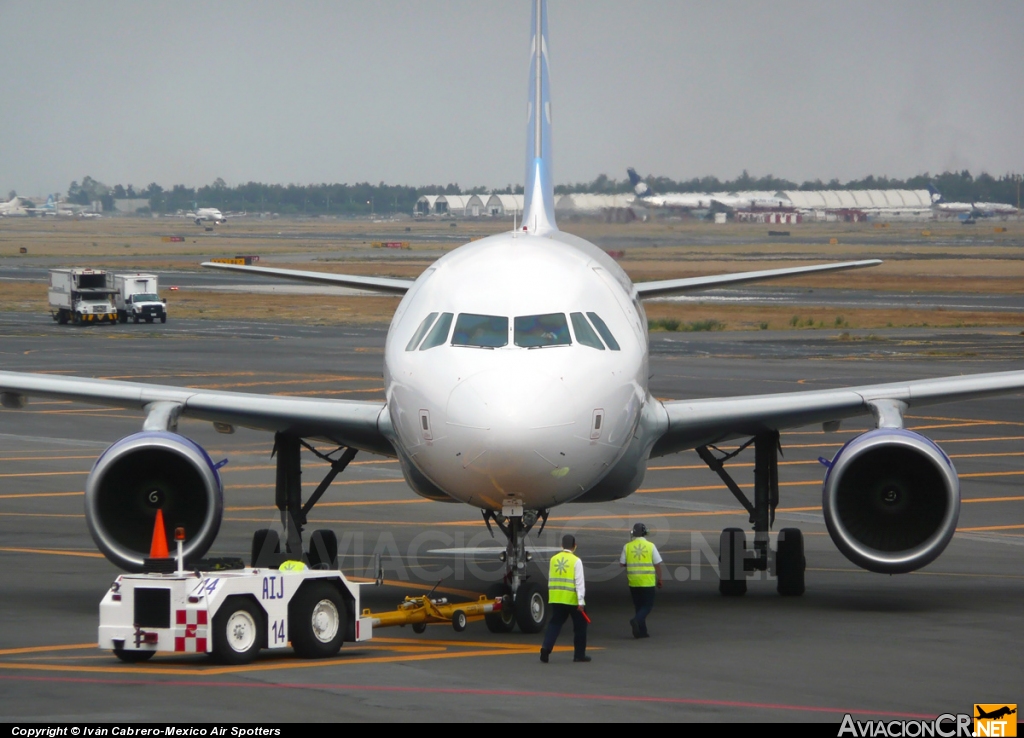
(209, 215)
(702, 203)
(516, 380)
(995, 714)
(969, 209)
(13, 208)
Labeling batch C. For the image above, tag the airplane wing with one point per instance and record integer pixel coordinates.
(375, 284)
(345, 422)
(693, 423)
(668, 287)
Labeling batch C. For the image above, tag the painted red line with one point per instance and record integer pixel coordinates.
(475, 693)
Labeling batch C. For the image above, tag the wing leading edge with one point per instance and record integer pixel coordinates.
(346, 422)
(374, 284)
(692, 423)
(669, 287)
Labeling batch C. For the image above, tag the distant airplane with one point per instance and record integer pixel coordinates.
(970, 209)
(13, 208)
(701, 203)
(209, 215)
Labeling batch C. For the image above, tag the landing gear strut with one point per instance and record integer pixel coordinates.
(530, 609)
(288, 497)
(736, 562)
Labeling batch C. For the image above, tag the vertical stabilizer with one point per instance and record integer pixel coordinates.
(539, 197)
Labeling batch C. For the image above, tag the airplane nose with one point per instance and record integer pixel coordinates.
(510, 403)
(512, 434)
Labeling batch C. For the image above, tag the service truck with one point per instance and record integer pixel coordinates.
(81, 296)
(232, 611)
(137, 298)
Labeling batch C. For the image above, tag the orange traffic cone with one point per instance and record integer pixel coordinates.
(158, 549)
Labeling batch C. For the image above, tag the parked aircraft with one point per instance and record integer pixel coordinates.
(969, 209)
(701, 203)
(516, 380)
(13, 208)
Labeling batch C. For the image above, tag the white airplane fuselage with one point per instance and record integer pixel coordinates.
(209, 214)
(539, 425)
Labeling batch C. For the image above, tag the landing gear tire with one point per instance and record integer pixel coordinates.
(265, 544)
(732, 547)
(323, 550)
(505, 620)
(133, 657)
(790, 562)
(531, 608)
(459, 621)
(317, 617)
(239, 631)
(419, 628)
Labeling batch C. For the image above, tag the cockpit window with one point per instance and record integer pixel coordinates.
(439, 333)
(535, 331)
(584, 333)
(420, 332)
(603, 330)
(482, 331)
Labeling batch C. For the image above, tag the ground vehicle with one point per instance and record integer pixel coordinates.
(233, 612)
(81, 296)
(137, 298)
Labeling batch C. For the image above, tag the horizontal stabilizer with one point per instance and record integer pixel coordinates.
(373, 284)
(669, 287)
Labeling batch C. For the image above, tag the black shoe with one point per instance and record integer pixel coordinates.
(644, 635)
(635, 627)
(584, 659)
(544, 653)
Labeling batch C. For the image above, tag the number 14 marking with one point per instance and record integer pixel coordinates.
(279, 632)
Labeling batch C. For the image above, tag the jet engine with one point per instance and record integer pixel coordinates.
(891, 500)
(143, 473)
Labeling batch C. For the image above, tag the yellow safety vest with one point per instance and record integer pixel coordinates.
(562, 579)
(640, 563)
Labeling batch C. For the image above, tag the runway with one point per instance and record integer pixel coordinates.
(877, 647)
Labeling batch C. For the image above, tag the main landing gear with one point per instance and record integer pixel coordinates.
(736, 562)
(323, 548)
(530, 606)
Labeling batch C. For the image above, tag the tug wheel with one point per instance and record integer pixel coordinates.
(239, 631)
(317, 617)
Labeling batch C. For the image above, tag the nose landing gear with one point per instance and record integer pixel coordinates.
(530, 610)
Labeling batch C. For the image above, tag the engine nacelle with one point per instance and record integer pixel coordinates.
(891, 500)
(145, 472)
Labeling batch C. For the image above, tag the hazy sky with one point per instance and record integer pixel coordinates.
(435, 92)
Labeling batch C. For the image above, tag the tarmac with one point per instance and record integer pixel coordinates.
(877, 647)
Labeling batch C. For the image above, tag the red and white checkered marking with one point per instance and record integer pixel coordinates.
(190, 631)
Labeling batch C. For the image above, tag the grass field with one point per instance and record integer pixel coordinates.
(919, 257)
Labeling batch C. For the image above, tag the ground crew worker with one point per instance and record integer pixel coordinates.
(643, 571)
(566, 596)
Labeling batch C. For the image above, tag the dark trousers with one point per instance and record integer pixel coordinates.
(643, 603)
(559, 614)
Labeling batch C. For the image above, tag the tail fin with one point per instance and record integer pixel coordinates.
(639, 186)
(50, 204)
(934, 191)
(539, 196)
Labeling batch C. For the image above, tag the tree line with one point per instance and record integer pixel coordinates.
(364, 198)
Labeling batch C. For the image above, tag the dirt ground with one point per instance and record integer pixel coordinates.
(923, 257)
